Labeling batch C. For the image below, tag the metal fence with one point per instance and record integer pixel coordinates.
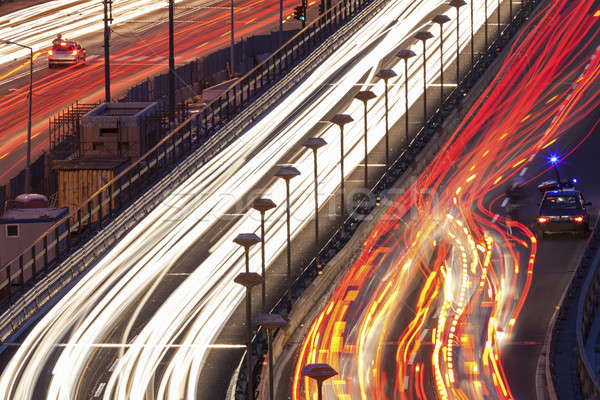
(196, 132)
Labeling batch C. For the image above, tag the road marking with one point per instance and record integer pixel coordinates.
(406, 382)
(202, 45)
(423, 334)
(523, 171)
(495, 218)
(504, 202)
(113, 365)
(99, 390)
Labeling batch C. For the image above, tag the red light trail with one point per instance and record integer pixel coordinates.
(438, 288)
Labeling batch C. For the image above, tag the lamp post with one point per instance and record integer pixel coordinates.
(499, 19)
(287, 173)
(249, 280)
(271, 322)
(405, 55)
(263, 205)
(171, 64)
(386, 74)
(30, 100)
(485, 15)
(365, 96)
(441, 19)
(314, 144)
(320, 373)
(472, 40)
(457, 4)
(107, 19)
(232, 51)
(341, 120)
(423, 36)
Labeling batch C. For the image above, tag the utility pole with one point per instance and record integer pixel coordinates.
(107, 19)
(232, 55)
(171, 65)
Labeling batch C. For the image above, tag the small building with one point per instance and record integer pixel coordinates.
(26, 219)
(80, 178)
(119, 130)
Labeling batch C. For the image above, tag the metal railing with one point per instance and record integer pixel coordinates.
(184, 150)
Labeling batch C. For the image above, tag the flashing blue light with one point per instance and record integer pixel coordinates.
(574, 180)
(553, 159)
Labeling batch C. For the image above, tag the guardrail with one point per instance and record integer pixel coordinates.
(364, 207)
(125, 200)
(570, 331)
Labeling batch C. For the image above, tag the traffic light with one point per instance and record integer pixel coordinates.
(300, 13)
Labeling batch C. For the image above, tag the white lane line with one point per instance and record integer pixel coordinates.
(504, 202)
(406, 382)
(113, 365)
(423, 334)
(99, 390)
(412, 358)
(523, 171)
(495, 218)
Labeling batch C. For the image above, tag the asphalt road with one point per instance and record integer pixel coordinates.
(139, 50)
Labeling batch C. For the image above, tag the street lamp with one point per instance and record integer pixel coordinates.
(287, 173)
(262, 206)
(249, 280)
(28, 167)
(472, 40)
(423, 36)
(457, 4)
(441, 19)
(405, 55)
(364, 96)
(320, 373)
(386, 74)
(314, 143)
(171, 63)
(341, 120)
(485, 15)
(271, 322)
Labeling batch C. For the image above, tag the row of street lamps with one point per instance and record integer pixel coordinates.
(271, 322)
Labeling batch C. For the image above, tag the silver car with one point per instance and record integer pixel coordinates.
(65, 52)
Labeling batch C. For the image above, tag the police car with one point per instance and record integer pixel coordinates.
(65, 52)
(563, 211)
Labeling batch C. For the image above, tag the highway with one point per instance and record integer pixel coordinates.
(139, 50)
(436, 305)
(143, 319)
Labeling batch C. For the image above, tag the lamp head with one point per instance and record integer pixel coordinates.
(423, 35)
(406, 54)
(341, 119)
(365, 95)
(314, 143)
(386, 74)
(441, 19)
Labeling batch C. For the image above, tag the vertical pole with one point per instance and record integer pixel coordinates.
(387, 133)
(106, 53)
(269, 344)
(343, 210)
(232, 51)
(485, 15)
(472, 39)
(510, 10)
(249, 343)
(262, 256)
(289, 248)
(317, 256)
(280, 22)
(406, 100)
(366, 149)
(28, 169)
(320, 388)
(441, 65)
(171, 65)
(424, 86)
(457, 46)
(498, 26)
